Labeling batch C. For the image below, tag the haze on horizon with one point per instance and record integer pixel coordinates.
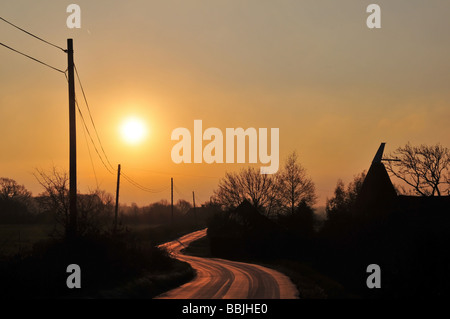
(334, 88)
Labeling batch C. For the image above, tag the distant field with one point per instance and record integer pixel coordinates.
(158, 233)
(18, 238)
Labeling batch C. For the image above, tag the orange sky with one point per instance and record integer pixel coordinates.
(334, 88)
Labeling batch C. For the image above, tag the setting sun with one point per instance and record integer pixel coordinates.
(133, 130)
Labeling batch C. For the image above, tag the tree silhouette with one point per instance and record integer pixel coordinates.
(11, 190)
(16, 203)
(294, 186)
(55, 197)
(424, 168)
(282, 192)
(248, 184)
(299, 223)
(183, 206)
(340, 206)
(95, 209)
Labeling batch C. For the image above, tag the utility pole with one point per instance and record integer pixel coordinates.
(171, 197)
(72, 227)
(117, 199)
(195, 213)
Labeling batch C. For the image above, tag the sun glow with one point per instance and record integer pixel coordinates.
(133, 130)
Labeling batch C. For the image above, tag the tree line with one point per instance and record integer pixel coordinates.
(95, 208)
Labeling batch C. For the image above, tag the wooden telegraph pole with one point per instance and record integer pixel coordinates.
(195, 213)
(72, 227)
(171, 197)
(117, 198)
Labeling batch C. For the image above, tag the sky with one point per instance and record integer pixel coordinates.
(335, 88)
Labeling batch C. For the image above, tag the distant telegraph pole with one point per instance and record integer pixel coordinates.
(117, 198)
(171, 197)
(195, 213)
(72, 227)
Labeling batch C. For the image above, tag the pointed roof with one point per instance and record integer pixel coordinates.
(377, 189)
(379, 155)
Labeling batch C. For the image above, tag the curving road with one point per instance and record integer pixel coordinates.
(224, 279)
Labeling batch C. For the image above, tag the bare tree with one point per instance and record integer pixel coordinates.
(294, 186)
(94, 208)
(258, 189)
(55, 197)
(425, 168)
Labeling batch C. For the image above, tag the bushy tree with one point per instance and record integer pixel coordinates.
(339, 207)
(11, 190)
(95, 212)
(300, 222)
(183, 206)
(16, 203)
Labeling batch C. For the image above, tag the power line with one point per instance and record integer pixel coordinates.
(90, 136)
(90, 157)
(178, 191)
(126, 177)
(131, 181)
(174, 174)
(34, 59)
(33, 35)
(92, 141)
(92, 120)
(135, 184)
(145, 189)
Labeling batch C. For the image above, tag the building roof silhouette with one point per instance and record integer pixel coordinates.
(377, 190)
(378, 193)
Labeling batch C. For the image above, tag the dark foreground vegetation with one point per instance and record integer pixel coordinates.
(367, 222)
(119, 266)
(127, 264)
(411, 250)
(121, 262)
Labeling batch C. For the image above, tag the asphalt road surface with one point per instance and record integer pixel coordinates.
(224, 279)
